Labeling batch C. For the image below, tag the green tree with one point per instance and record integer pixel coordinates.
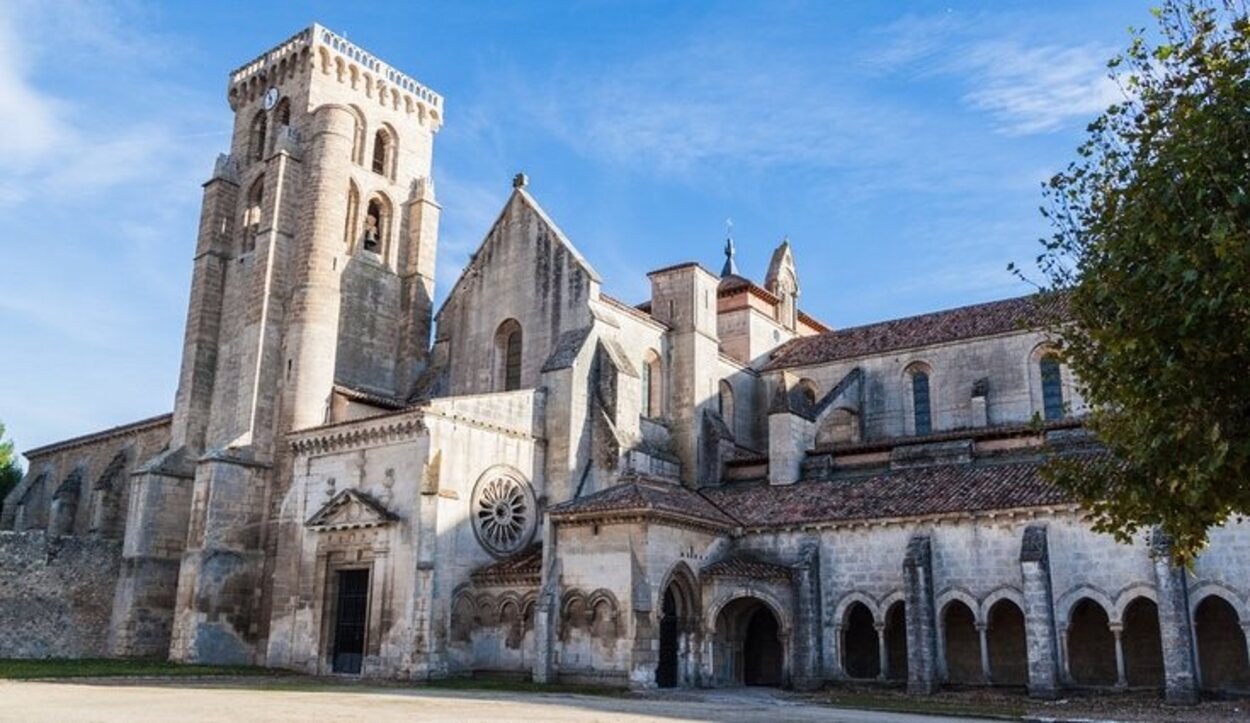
(10, 467)
(1151, 249)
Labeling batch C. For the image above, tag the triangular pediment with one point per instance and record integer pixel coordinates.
(350, 509)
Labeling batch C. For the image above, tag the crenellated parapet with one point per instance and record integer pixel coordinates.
(377, 81)
(250, 80)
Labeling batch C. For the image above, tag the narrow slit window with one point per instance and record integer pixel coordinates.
(512, 374)
(1052, 388)
(920, 402)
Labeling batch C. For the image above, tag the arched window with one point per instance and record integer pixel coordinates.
(382, 147)
(1052, 387)
(725, 404)
(377, 225)
(256, 138)
(921, 409)
(251, 214)
(358, 136)
(353, 213)
(651, 382)
(282, 114)
(803, 397)
(508, 356)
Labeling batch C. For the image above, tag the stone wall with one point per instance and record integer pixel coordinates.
(56, 595)
(1007, 361)
(81, 486)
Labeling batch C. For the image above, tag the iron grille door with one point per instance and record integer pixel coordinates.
(349, 628)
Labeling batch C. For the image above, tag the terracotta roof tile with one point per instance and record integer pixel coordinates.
(648, 496)
(914, 492)
(967, 322)
(526, 564)
(748, 567)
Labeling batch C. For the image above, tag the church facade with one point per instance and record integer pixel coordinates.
(536, 479)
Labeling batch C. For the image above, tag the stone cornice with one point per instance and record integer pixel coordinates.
(359, 433)
(434, 411)
(1015, 514)
(630, 516)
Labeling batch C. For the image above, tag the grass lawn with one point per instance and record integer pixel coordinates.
(102, 668)
(279, 679)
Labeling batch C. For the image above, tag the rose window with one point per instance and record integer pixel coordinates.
(503, 510)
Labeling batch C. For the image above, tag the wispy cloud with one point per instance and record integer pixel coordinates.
(1025, 86)
(31, 122)
(1037, 89)
(97, 200)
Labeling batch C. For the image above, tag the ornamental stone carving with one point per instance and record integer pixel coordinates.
(504, 511)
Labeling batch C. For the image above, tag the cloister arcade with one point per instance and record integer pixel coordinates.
(1102, 643)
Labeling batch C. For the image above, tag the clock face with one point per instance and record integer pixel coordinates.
(271, 98)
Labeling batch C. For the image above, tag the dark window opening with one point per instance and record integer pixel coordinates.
(381, 153)
(512, 361)
(256, 139)
(920, 402)
(1052, 388)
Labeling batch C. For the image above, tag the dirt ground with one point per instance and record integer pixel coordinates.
(301, 699)
(246, 700)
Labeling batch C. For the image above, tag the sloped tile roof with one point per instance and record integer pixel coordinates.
(646, 496)
(916, 492)
(967, 322)
(524, 565)
(747, 567)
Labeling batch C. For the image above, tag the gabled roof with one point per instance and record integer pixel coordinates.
(132, 428)
(521, 196)
(647, 497)
(350, 509)
(967, 322)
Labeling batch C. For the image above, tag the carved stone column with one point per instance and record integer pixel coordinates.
(982, 635)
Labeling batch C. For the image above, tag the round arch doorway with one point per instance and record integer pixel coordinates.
(749, 638)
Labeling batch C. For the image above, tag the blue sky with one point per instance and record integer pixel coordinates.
(901, 146)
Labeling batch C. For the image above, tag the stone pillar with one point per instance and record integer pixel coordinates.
(1180, 670)
(883, 653)
(921, 616)
(418, 244)
(1117, 630)
(1039, 613)
(684, 297)
(547, 609)
(982, 634)
(835, 651)
(201, 337)
(807, 643)
(1245, 631)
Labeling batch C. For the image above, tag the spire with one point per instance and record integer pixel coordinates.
(730, 268)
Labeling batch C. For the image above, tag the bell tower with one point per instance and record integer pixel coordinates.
(313, 270)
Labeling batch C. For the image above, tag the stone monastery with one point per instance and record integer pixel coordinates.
(708, 488)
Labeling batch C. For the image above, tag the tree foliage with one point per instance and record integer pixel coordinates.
(10, 467)
(1151, 248)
